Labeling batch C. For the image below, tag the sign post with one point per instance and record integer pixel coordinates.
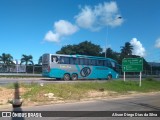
(140, 79)
(124, 77)
(132, 65)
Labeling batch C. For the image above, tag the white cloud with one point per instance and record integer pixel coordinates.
(52, 37)
(61, 28)
(138, 48)
(99, 16)
(157, 43)
(86, 18)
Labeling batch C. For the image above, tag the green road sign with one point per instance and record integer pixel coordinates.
(132, 65)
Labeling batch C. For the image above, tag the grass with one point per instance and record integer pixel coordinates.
(79, 90)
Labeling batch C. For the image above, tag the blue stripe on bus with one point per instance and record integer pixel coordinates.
(96, 72)
(57, 73)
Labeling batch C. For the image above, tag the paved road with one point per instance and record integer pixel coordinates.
(5, 81)
(150, 102)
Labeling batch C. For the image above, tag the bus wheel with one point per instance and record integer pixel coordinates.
(74, 77)
(109, 77)
(66, 77)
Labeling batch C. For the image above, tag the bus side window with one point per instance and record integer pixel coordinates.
(105, 63)
(92, 62)
(100, 63)
(74, 60)
(108, 64)
(113, 64)
(81, 61)
(86, 61)
(54, 59)
(64, 60)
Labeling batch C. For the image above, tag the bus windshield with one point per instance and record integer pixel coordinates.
(115, 66)
(45, 59)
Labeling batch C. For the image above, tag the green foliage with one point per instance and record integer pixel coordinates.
(77, 91)
(149, 79)
(7, 59)
(89, 48)
(83, 48)
(26, 59)
(126, 50)
(111, 54)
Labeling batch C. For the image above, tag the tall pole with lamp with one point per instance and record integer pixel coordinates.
(107, 37)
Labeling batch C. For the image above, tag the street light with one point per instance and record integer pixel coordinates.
(107, 37)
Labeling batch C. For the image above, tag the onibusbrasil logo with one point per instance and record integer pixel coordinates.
(85, 71)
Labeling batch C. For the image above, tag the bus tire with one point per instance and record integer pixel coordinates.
(109, 77)
(66, 77)
(74, 76)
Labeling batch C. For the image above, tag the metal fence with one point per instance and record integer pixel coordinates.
(37, 69)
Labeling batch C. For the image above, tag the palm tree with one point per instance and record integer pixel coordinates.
(127, 49)
(6, 59)
(109, 52)
(27, 59)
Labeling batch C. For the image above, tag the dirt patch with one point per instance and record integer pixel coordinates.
(5, 95)
(93, 94)
(8, 94)
(51, 98)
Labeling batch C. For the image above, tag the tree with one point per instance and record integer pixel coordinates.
(7, 59)
(126, 50)
(69, 49)
(111, 54)
(26, 59)
(88, 48)
(83, 48)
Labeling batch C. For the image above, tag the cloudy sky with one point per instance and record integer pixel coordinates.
(43, 26)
